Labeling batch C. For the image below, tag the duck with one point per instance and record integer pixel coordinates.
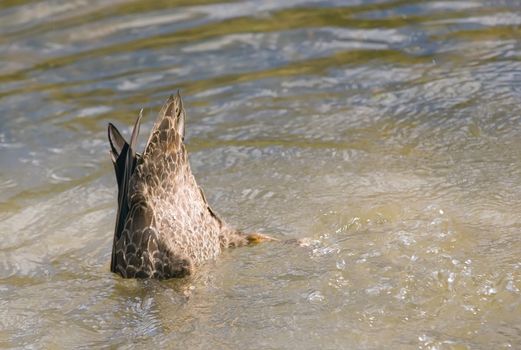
(165, 227)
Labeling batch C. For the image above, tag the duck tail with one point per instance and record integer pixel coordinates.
(168, 132)
(124, 158)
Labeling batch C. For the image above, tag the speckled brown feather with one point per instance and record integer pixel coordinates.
(168, 227)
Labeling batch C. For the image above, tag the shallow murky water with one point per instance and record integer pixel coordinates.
(387, 132)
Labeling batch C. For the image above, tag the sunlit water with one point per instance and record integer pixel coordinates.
(387, 133)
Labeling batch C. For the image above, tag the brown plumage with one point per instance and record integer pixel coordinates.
(164, 225)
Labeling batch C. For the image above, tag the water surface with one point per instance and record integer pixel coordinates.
(386, 132)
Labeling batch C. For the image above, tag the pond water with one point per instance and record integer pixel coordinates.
(385, 133)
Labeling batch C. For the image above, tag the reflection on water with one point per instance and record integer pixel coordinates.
(385, 132)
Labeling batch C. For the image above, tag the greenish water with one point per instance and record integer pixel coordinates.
(386, 132)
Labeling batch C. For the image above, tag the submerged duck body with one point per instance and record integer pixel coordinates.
(164, 225)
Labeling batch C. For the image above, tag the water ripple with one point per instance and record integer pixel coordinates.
(384, 134)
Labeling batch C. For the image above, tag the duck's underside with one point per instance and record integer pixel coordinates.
(164, 225)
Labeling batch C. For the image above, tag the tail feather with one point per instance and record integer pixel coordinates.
(169, 129)
(125, 159)
(118, 145)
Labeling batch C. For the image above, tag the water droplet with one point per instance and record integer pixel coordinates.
(452, 278)
(402, 294)
(511, 287)
(341, 264)
(489, 290)
(316, 297)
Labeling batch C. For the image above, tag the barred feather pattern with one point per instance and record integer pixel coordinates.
(169, 228)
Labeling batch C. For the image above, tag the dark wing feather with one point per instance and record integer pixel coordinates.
(124, 166)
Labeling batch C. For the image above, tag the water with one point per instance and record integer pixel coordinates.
(387, 133)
